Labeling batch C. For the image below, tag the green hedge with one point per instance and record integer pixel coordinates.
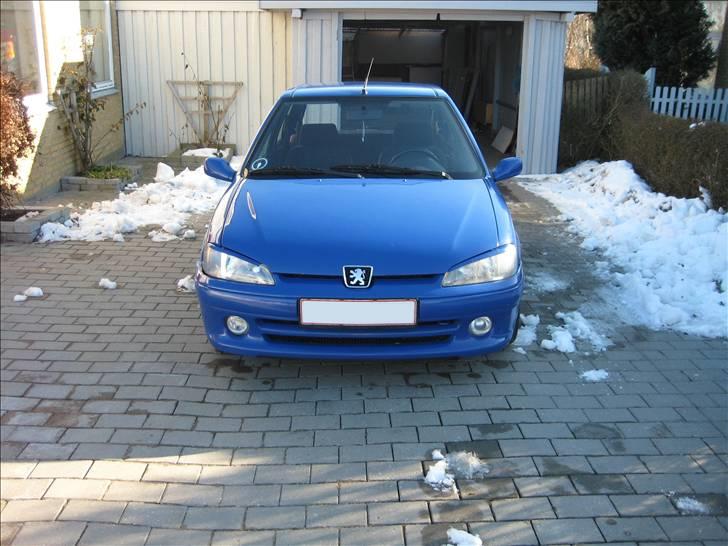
(665, 151)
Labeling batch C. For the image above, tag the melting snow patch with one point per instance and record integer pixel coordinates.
(33, 292)
(671, 251)
(456, 537)
(28, 215)
(167, 202)
(187, 284)
(107, 284)
(691, 505)
(206, 152)
(594, 375)
(542, 281)
(439, 478)
(460, 464)
(561, 340)
(20, 297)
(527, 331)
(189, 234)
(520, 350)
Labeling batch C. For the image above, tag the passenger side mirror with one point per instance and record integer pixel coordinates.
(217, 167)
(507, 168)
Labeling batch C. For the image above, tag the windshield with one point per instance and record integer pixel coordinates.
(372, 137)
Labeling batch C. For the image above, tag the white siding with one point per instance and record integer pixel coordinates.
(316, 48)
(246, 45)
(542, 80)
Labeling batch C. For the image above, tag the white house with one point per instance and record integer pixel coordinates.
(502, 61)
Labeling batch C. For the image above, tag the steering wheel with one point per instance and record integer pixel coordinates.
(427, 154)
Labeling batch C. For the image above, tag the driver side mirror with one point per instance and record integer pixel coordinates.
(217, 167)
(507, 168)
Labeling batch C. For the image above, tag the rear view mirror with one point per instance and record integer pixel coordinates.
(507, 168)
(217, 167)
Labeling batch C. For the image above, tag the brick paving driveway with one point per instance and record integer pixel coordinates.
(120, 425)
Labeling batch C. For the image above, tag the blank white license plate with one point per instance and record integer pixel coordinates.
(358, 312)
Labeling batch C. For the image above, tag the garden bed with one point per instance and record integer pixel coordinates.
(22, 225)
(103, 178)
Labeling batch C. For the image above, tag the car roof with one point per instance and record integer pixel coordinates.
(374, 89)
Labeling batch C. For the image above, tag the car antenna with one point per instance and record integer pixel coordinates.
(366, 80)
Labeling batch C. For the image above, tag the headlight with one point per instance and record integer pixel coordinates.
(224, 266)
(499, 266)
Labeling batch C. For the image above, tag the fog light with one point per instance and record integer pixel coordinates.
(237, 325)
(481, 326)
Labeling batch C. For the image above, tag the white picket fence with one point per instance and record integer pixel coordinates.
(691, 103)
(687, 102)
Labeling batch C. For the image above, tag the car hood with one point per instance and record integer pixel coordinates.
(400, 227)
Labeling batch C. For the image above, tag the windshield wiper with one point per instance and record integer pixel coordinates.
(296, 172)
(390, 170)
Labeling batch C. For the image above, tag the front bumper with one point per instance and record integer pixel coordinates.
(441, 331)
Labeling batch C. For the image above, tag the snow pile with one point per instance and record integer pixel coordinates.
(189, 234)
(167, 202)
(456, 537)
(20, 297)
(439, 478)
(207, 152)
(594, 375)
(33, 292)
(186, 284)
(460, 464)
(561, 340)
(527, 331)
(575, 327)
(541, 281)
(691, 506)
(107, 284)
(672, 252)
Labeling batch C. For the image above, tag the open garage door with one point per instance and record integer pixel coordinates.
(478, 63)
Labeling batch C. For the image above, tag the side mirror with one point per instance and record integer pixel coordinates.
(507, 168)
(217, 167)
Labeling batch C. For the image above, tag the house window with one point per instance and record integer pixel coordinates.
(96, 27)
(19, 45)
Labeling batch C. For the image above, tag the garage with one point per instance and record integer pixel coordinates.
(477, 63)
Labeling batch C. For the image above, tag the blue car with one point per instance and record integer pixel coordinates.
(364, 224)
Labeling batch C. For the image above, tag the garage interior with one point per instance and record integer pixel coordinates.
(476, 62)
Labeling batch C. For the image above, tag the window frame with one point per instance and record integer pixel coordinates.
(103, 87)
(40, 98)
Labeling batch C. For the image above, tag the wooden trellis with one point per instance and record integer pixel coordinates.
(205, 112)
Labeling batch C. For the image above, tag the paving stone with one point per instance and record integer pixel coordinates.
(17, 488)
(216, 518)
(93, 510)
(309, 537)
(116, 470)
(31, 510)
(355, 492)
(134, 491)
(601, 484)
(103, 533)
(428, 535)
(582, 506)
(505, 533)
(153, 515)
(543, 487)
(251, 495)
(387, 513)
(643, 505)
(289, 517)
(520, 509)
(626, 529)
(692, 528)
(192, 495)
(175, 537)
(567, 531)
(460, 511)
(299, 473)
(226, 475)
(56, 532)
(344, 515)
(70, 488)
(487, 489)
(158, 472)
(338, 472)
(61, 469)
(372, 536)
